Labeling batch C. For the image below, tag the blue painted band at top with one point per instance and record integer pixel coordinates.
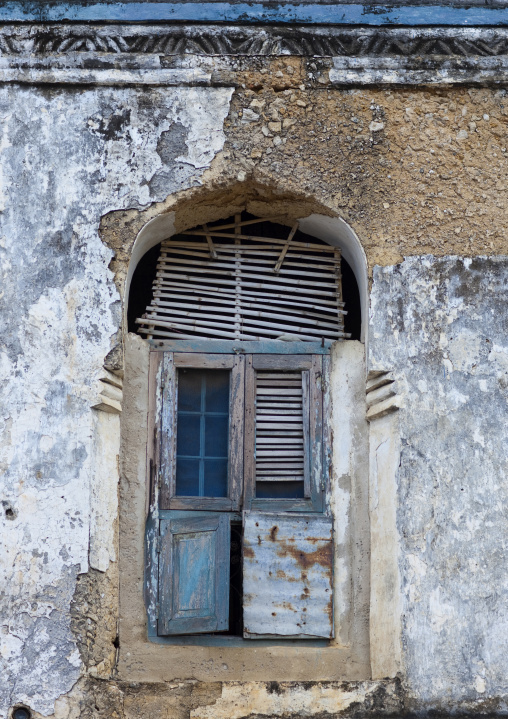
(254, 12)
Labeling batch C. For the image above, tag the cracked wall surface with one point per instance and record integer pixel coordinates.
(67, 158)
(418, 173)
(441, 324)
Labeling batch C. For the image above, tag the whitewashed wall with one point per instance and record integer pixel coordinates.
(66, 159)
(441, 326)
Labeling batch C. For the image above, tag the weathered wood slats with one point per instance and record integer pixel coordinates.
(280, 442)
(218, 282)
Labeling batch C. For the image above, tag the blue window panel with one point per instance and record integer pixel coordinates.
(202, 434)
(216, 436)
(189, 390)
(194, 574)
(344, 13)
(187, 438)
(217, 391)
(187, 477)
(216, 477)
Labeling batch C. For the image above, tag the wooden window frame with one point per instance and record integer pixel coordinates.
(171, 362)
(242, 361)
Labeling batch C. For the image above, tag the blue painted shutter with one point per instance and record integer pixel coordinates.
(194, 574)
(287, 576)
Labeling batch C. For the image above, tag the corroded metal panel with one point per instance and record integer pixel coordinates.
(287, 575)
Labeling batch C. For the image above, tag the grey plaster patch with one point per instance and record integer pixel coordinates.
(441, 324)
(171, 146)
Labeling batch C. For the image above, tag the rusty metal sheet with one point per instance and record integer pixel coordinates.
(287, 575)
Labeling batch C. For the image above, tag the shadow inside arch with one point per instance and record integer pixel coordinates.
(194, 208)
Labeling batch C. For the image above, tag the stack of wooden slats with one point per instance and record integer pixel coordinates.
(219, 282)
(280, 428)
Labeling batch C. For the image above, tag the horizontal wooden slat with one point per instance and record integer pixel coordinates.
(212, 361)
(205, 265)
(256, 238)
(283, 298)
(274, 479)
(288, 442)
(201, 311)
(246, 279)
(286, 425)
(217, 304)
(279, 453)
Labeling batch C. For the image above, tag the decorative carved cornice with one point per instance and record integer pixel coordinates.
(443, 43)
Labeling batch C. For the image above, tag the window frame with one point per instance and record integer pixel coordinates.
(223, 354)
(171, 361)
(167, 357)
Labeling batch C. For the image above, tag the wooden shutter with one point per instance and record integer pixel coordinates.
(284, 466)
(287, 580)
(194, 574)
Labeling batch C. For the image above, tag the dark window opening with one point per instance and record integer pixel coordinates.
(140, 294)
(236, 582)
(351, 298)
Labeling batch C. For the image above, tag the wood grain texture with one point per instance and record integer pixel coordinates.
(236, 431)
(168, 430)
(194, 574)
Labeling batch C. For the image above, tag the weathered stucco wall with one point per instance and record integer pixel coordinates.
(440, 325)
(67, 158)
(413, 172)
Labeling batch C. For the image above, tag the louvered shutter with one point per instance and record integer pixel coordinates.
(194, 574)
(287, 576)
(284, 466)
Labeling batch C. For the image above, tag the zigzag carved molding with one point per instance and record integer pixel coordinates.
(220, 40)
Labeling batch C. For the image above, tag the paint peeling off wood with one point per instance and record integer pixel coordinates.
(287, 575)
(194, 574)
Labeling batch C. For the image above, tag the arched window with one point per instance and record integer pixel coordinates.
(241, 315)
(244, 278)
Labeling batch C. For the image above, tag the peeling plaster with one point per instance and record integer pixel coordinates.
(452, 480)
(71, 156)
(249, 699)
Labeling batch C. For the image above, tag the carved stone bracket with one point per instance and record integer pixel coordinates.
(110, 393)
(381, 394)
